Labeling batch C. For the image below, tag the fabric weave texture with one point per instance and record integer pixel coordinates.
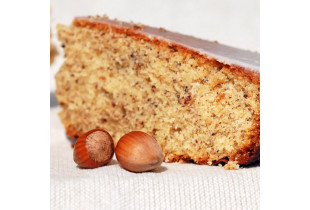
(171, 186)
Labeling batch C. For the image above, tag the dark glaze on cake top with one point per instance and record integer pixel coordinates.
(222, 53)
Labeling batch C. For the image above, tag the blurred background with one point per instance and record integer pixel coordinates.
(234, 23)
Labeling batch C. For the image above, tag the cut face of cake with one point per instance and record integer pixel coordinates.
(200, 100)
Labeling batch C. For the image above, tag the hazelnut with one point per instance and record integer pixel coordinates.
(93, 149)
(138, 152)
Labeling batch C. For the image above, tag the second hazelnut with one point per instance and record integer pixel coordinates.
(138, 152)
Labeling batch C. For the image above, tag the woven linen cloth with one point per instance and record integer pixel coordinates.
(171, 186)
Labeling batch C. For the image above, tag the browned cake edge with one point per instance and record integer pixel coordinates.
(245, 156)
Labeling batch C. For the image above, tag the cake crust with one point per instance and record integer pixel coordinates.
(248, 154)
(212, 50)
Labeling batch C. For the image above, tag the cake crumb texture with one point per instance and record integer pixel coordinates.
(231, 165)
(199, 110)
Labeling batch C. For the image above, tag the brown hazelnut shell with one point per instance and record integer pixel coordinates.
(81, 155)
(138, 152)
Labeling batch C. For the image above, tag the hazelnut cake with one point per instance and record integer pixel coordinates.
(199, 99)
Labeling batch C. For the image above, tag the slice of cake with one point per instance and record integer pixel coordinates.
(199, 99)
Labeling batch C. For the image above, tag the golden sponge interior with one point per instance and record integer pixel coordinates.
(197, 110)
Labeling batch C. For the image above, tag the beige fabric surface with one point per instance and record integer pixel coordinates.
(172, 186)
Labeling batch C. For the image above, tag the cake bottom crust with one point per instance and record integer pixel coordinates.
(246, 156)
